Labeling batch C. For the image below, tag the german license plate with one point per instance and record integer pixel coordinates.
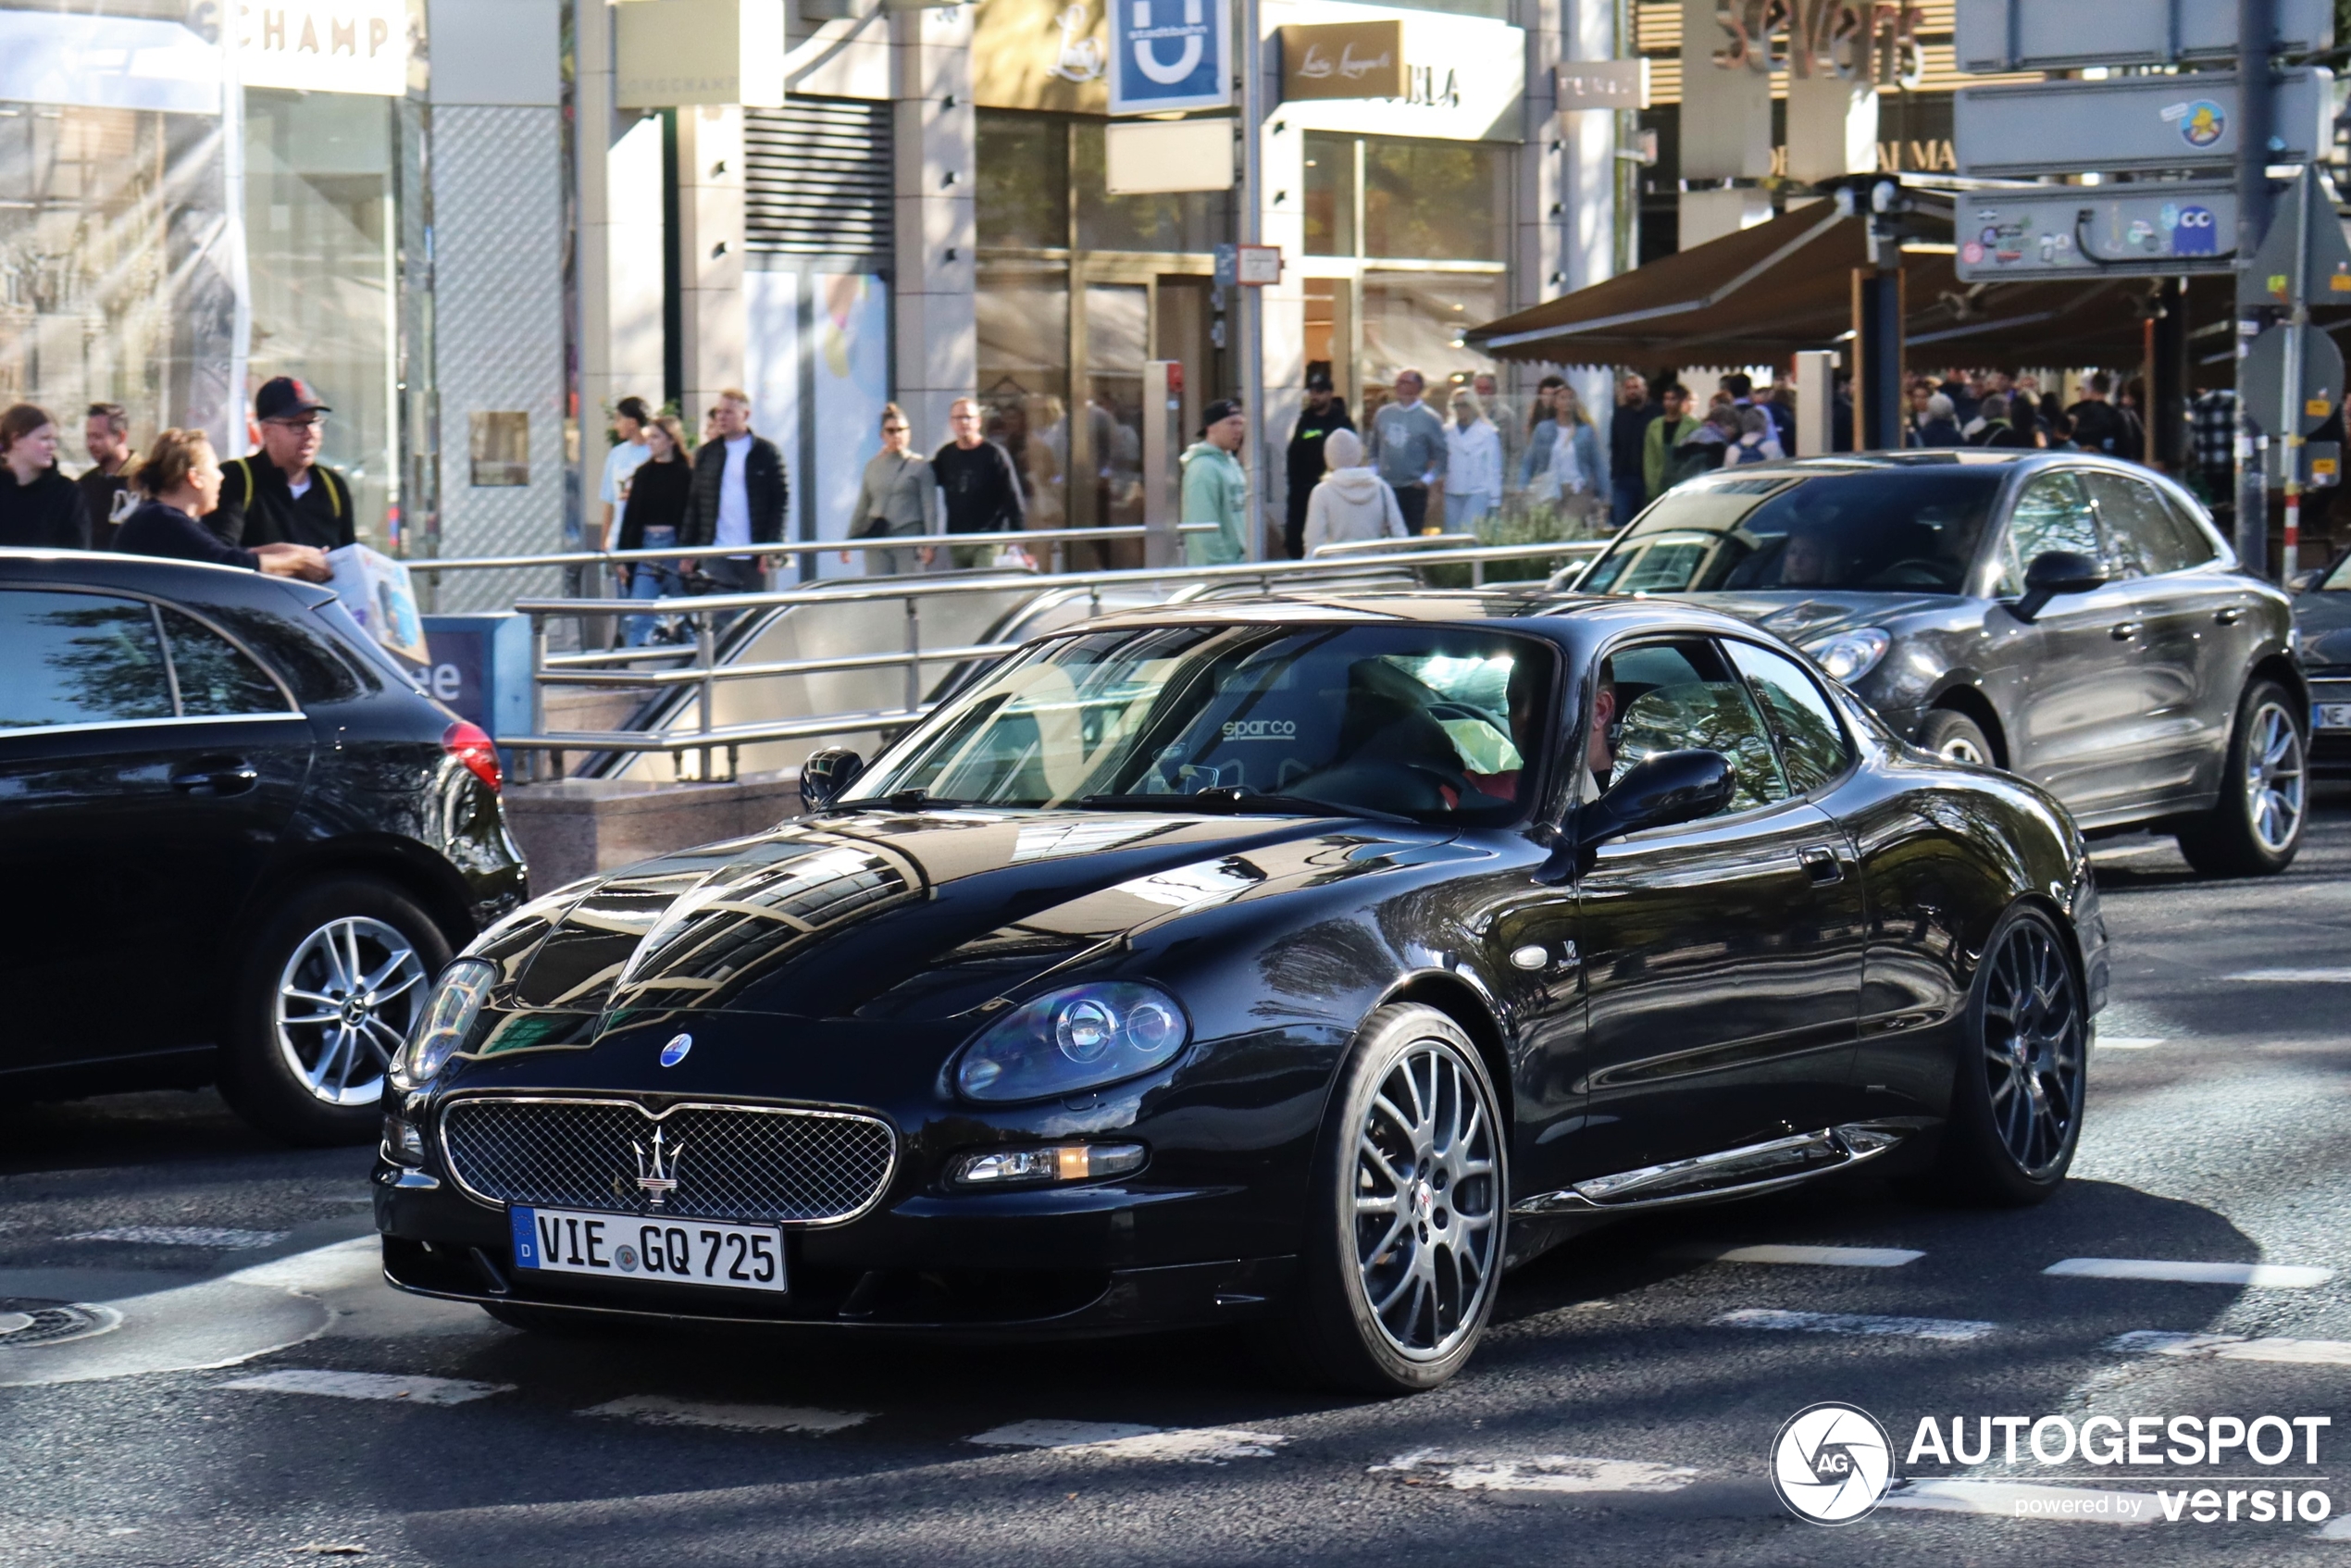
(2330, 715)
(740, 1257)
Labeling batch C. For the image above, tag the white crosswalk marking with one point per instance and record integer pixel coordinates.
(1946, 1328)
(2232, 1347)
(2261, 1277)
(1118, 1439)
(2018, 1499)
(2129, 1042)
(1539, 1472)
(185, 1236)
(2295, 976)
(371, 1386)
(1825, 1257)
(661, 1411)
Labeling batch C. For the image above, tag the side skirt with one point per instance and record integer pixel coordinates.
(1731, 1173)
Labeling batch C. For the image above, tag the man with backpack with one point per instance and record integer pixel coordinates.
(281, 494)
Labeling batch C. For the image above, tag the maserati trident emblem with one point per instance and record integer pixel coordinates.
(657, 1176)
(675, 1052)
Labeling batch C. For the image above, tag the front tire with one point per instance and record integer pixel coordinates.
(1954, 737)
(325, 997)
(1406, 1216)
(2016, 1107)
(2256, 828)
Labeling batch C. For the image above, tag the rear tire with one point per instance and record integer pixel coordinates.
(1406, 1215)
(1954, 737)
(2015, 1106)
(2256, 828)
(326, 995)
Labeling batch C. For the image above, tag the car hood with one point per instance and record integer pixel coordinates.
(905, 916)
(1799, 616)
(2324, 621)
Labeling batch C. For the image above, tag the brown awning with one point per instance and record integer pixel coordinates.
(1760, 294)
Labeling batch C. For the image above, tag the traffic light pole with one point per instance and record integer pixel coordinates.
(2289, 398)
(1252, 300)
(2256, 28)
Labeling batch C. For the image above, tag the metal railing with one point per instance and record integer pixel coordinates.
(704, 673)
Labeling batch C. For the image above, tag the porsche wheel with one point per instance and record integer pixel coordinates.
(2257, 826)
(1406, 1216)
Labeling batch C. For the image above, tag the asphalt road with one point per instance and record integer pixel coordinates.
(1621, 1410)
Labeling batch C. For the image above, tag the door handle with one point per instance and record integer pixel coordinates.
(2125, 630)
(1820, 862)
(232, 776)
(2230, 616)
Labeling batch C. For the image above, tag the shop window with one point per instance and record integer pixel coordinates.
(1330, 194)
(1436, 201)
(1416, 319)
(1024, 378)
(1021, 201)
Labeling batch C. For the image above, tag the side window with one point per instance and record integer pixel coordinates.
(2142, 537)
(1685, 696)
(2052, 514)
(215, 678)
(1813, 745)
(79, 658)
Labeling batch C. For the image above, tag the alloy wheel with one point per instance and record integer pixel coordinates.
(2033, 1048)
(1427, 1201)
(344, 1003)
(1959, 748)
(2273, 778)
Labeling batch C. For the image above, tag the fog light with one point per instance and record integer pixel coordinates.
(1035, 1167)
(403, 1142)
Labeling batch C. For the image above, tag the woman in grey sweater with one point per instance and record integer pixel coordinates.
(895, 499)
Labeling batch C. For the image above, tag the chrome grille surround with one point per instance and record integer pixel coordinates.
(782, 1163)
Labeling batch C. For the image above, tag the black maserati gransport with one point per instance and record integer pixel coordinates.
(1298, 965)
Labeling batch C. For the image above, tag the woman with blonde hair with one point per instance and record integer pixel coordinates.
(1473, 465)
(1576, 457)
(180, 478)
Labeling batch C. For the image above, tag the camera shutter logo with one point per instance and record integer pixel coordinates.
(1832, 1464)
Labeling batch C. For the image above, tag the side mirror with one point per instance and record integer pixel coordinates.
(1668, 788)
(2054, 572)
(825, 775)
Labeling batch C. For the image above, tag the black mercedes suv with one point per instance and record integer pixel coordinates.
(242, 844)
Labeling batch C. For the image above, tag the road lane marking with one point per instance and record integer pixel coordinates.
(660, 1410)
(2232, 1347)
(1825, 1257)
(371, 1386)
(2020, 1499)
(2294, 976)
(2127, 851)
(1949, 1329)
(1118, 1439)
(186, 1236)
(1540, 1473)
(2129, 1042)
(2262, 1276)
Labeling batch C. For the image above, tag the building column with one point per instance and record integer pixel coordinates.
(711, 319)
(934, 229)
(1281, 307)
(1725, 132)
(621, 235)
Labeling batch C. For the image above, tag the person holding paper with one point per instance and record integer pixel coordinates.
(180, 478)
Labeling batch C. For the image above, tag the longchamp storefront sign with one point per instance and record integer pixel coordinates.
(325, 45)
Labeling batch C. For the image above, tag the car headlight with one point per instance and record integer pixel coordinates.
(1074, 1040)
(448, 1019)
(1850, 655)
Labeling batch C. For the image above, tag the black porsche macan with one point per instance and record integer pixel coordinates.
(1300, 965)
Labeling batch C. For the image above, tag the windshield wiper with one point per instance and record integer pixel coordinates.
(1236, 801)
(923, 800)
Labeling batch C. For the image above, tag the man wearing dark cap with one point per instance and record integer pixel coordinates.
(279, 496)
(1322, 414)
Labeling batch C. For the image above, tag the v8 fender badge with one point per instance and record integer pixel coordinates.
(675, 1052)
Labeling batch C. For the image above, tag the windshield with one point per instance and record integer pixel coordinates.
(2339, 579)
(1428, 722)
(1880, 529)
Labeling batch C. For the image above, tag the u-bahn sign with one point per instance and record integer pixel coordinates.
(2173, 230)
(2133, 124)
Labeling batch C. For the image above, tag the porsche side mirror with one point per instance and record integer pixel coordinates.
(2054, 572)
(825, 775)
(1668, 788)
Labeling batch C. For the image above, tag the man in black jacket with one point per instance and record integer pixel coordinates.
(1322, 414)
(740, 493)
(281, 494)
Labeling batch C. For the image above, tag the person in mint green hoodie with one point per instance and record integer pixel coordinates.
(1216, 491)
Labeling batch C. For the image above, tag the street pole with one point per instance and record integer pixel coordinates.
(2256, 28)
(1252, 300)
(2289, 398)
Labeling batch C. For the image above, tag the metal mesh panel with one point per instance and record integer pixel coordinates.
(728, 1162)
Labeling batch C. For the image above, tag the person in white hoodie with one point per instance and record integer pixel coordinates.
(1352, 502)
(1473, 465)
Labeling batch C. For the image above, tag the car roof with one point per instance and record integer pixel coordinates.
(2019, 458)
(198, 581)
(1576, 621)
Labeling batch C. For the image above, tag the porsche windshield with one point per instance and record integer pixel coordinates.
(1428, 722)
(1877, 530)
